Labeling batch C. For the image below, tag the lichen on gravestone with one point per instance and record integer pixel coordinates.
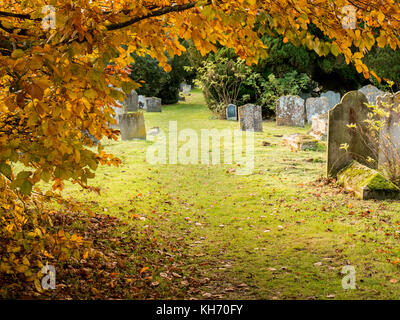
(367, 183)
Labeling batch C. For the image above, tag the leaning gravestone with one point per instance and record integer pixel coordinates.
(250, 118)
(389, 138)
(231, 112)
(351, 110)
(153, 104)
(131, 102)
(132, 126)
(316, 107)
(333, 97)
(290, 111)
(371, 92)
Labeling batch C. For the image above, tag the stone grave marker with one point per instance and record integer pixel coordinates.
(319, 129)
(389, 140)
(186, 89)
(231, 112)
(250, 118)
(333, 97)
(371, 92)
(351, 110)
(132, 126)
(367, 183)
(316, 107)
(153, 104)
(131, 102)
(290, 111)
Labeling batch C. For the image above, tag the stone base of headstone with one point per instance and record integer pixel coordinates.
(250, 118)
(132, 126)
(290, 111)
(367, 183)
(319, 127)
(153, 104)
(316, 107)
(300, 142)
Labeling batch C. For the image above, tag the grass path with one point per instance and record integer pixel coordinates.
(283, 232)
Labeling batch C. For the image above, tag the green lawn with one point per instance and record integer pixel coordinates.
(283, 232)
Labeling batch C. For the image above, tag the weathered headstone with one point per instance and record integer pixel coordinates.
(131, 102)
(351, 110)
(319, 129)
(142, 102)
(389, 139)
(290, 111)
(371, 92)
(132, 126)
(299, 141)
(231, 112)
(250, 118)
(333, 97)
(316, 107)
(153, 104)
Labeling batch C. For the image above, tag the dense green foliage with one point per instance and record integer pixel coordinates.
(158, 83)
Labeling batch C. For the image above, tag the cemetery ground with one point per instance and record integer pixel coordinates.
(203, 232)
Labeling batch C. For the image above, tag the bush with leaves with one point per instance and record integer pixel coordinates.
(220, 77)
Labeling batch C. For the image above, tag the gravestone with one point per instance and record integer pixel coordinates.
(231, 112)
(290, 111)
(351, 110)
(153, 104)
(132, 126)
(316, 107)
(131, 102)
(250, 118)
(142, 102)
(389, 138)
(320, 127)
(367, 183)
(371, 92)
(186, 89)
(333, 97)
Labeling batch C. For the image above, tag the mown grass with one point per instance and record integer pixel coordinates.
(281, 233)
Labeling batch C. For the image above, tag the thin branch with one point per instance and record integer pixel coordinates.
(157, 13)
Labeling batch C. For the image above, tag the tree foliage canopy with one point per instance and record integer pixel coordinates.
(55, 83)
